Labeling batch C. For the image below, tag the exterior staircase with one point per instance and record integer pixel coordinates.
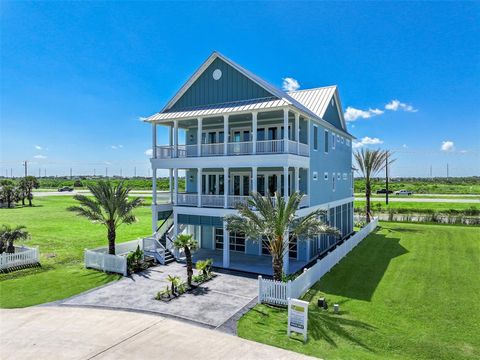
(156, 245)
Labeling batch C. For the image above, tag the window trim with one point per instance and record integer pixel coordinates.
(326, 147)
(315, 138)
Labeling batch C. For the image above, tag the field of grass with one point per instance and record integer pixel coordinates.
(61, 236)
(419, 206)
(409, 291)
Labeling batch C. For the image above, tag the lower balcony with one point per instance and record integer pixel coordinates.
(220, 201)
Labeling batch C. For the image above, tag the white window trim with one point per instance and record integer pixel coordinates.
(328, 139)
(334, 137)
(313, 134)
(315, 175)
(325, 176)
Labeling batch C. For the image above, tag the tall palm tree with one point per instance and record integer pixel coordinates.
(264, 218)
(186, 243)
(9, 235)
(110, 206)
(370, 163)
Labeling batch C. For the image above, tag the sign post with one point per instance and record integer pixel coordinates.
(297, 317)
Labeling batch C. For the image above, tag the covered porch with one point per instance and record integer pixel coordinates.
(256, 264)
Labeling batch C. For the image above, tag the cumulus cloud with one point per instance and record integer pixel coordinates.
(116, 147)
(149, 152)
(352, 114)
(290, 84)
(38, 147)
(141, 118)
(447, 146)
(396, 105)
(367, 141)
(40, 157)
(404, 146)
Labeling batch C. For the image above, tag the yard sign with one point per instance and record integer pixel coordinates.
(297, 317)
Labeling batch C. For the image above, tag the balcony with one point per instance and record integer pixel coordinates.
(263, 147)
(218, 201)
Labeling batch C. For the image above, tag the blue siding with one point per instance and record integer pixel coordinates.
(207, 237)
(232, 86)
(331, 115)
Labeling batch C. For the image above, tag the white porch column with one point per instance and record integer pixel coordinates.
(225, 134)
(254, 132)
(297, 131)
(308, 186)
(170, 135)
(199, 187)
(254, 179)
(175, 229)
(226, 246)
(170, 184)
(285, 183)
(297, 179)
(285, 130)
(154, 140)
(286, 259)
(225, 187)
(154, 200)
(308, 134)
(175, 185)
(175, 141)
(199, 137)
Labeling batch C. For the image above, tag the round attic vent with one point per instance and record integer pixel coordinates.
(217, 74)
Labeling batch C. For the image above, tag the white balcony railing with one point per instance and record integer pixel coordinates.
(234, 200)
(240, 148)
(187, 199)
(213, 201)
(305, 202)
(215, 149)
(270, 146)
(303, 149)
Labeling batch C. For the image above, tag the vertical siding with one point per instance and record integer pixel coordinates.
(331, 115)
(232, 86)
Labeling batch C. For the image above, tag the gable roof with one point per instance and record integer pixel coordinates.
(286, 98)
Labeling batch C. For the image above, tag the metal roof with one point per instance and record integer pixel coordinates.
(316, 100)
(218, 109)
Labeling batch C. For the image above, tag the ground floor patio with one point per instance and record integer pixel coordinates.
(255, 264)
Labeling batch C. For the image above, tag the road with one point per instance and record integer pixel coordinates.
(51, 332)
(422, 200)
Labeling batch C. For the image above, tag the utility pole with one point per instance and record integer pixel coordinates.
(11, 172)
(120, 172)
(25, 165)
(106, 172)
(39, 172)
(386, 179)
(45, 172)
(70, 173)
(447, 171)
(431, 177)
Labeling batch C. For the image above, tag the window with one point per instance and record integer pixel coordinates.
(325, 176)
(338, 138)
(218, 238)
(348, 142)
(237, 240)
(315, 137)
(315, 175)
(343, 140)
(326, 141)
(333, 181)
(344, 176)
(339, 176)
(333, 141)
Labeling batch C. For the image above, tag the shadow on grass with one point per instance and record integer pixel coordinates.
(357, 276)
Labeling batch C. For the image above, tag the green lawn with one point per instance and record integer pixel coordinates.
(61, 236)
(409, 291)
(437, 206)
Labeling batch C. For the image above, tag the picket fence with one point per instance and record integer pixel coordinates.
(100, 259)
(278, 293)
(22, 256)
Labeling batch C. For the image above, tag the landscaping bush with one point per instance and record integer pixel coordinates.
(135, 261)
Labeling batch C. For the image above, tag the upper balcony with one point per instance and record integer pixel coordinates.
(263, 147)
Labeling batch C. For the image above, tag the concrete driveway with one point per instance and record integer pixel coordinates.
(218, 300)
(78, 333)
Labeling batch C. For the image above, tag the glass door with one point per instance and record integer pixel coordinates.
(272, 184)
(261, 184)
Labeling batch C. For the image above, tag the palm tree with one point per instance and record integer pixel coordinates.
(370, 163)
(110, 206)
(9, 235)
(27, 184)
(186, 243)
(272, 220)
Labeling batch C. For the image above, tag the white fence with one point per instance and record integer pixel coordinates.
(278, 293)
(100, 259)
(22, 256)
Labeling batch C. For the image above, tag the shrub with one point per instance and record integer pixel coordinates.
(135, 261)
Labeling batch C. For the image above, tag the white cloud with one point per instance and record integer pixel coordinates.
(40, 157)
(404, 146)
(38, 147)
(149, 152)
(141, 118)
(352, 114)
(463, 151)
(395, 105)
(447, 146)
(290, 84)
(116, 147)
(367, 141)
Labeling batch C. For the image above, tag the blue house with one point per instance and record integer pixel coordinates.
(230, 134)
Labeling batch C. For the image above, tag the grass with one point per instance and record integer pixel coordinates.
(408, 291)
(62, 237)
(407, 205)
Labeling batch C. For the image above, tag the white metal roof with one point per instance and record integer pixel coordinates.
(317, 100)
(218, 109)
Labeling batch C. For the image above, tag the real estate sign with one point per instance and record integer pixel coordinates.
(297, 317)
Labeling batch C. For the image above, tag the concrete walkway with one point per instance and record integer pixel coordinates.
(212, 305)
(78, 333)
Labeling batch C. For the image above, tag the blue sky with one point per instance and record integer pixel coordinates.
(76, 77)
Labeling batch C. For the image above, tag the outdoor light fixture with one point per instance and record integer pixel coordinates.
(336, 308)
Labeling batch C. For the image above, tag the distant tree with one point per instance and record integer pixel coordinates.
(9, 235)
(187, 244)
(110, 207)
(370, 163)
(9, 193)
(27, 184)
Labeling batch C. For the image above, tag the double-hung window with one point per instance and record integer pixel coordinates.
(315, 137)
(333, 140)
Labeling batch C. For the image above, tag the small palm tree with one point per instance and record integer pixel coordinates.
(186, 243)
(9, 235)
(27, 184)
(174, 280)
(370, 163)
(272, 220)
(110, 206)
